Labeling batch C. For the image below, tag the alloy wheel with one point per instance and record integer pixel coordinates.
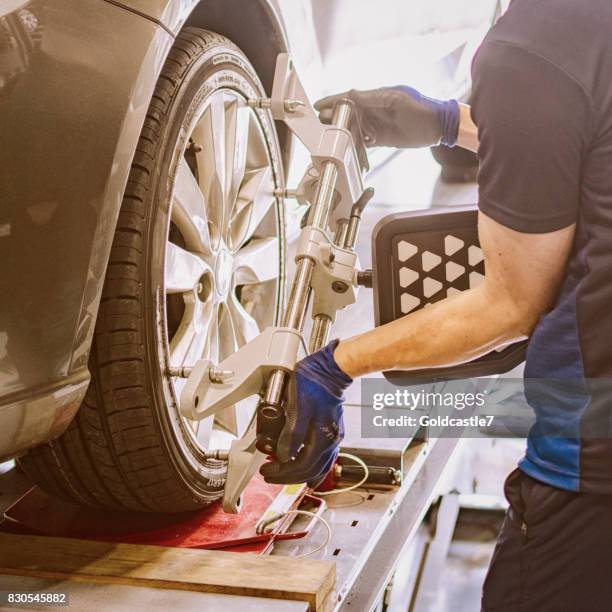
(223, 255)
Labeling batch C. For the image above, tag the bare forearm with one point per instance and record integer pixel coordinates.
(523, 274)
(468, 132)
(452, 331)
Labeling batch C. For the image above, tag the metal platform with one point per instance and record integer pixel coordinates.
(370, 534)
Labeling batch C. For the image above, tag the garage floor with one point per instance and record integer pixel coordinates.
(468, 560)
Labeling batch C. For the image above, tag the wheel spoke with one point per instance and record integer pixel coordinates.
(209, 134)
(212, 336)
(228, 341)
(198, 346)
(189, 210)
(245, 326)
(203, 430)
(244, 411)
(191, 340)
(228, 344)
(183, 269)
(190, 343)
(237, 122)
(236, 327)
(257, 262)
(255, 199)
(236, 418)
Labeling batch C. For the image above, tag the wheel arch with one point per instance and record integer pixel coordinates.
(247, 24)
(244, 23)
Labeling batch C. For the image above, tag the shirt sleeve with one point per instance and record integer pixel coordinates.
(532, 122)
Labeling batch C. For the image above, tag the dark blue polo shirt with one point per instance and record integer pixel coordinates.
(542, 100)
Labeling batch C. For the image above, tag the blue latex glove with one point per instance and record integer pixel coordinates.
(309, 442)
(399, 116)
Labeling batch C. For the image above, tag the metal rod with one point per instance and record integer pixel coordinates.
(355, 218)
(322, 323)
(270, 409)
(320, 332)
(341, 230)
(300, 289)
(298, 298)
(324, 197)
(351, 232)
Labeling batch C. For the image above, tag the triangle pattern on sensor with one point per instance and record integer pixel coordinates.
(431, 286)
(453, 271)
(475, 255)
(407, 277)
(430, 260)
(409, 302)
(476, 279)
(405, 250)
(452, 244)
(430, 268)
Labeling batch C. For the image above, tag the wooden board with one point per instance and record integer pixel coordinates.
(169, 568)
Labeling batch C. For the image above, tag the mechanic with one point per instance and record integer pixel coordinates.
(542, 104)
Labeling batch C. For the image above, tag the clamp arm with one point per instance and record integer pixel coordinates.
(325, 143)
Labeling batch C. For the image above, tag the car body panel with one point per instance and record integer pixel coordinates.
(41, 415)
(254, 26)
(171, 14)
(71, 111)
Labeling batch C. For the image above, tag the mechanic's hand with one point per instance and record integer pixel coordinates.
(399, 117)
(308, 445)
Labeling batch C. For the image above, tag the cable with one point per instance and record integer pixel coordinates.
(282, 515)
(366, 474)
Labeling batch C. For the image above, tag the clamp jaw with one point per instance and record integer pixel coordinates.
(245, 373)
(334, 275)
(326, 267)
(341, 145)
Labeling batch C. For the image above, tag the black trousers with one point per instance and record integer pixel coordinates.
(554, 551)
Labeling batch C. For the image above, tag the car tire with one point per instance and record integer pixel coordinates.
(129, 448)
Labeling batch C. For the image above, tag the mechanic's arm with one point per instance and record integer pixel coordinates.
(523, 276)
